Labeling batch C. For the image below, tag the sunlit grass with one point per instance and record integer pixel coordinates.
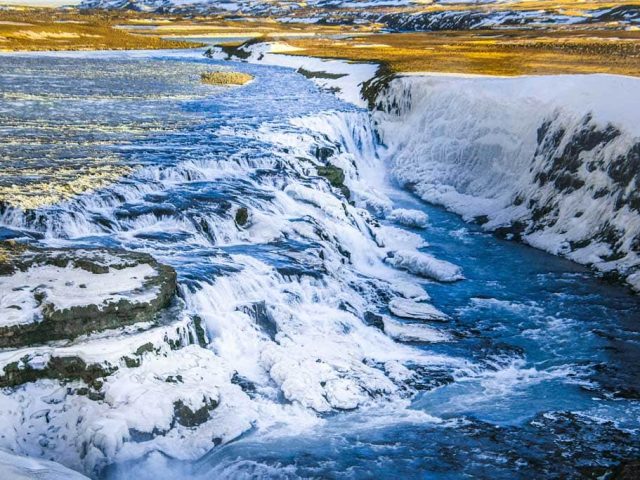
(49, 29)
(225, 78)
(510, 52)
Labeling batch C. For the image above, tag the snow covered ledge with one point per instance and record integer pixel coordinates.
(340, 76)
(60, 294)
(553, 160)
(15, 467)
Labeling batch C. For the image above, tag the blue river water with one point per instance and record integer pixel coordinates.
(553, 390)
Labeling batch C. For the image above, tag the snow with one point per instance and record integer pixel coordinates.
(68, 287)
(406, 308)
(409, 218)
(425, 265)
(471, 143)
(15, 467)
(347, 87)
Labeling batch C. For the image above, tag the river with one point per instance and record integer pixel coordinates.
(536, 375)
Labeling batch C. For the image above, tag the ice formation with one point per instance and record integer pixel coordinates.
(551, 160)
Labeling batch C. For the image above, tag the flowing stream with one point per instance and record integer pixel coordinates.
(536, 374)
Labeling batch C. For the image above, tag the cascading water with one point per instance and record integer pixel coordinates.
(312, 364)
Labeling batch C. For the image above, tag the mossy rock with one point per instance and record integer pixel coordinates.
(67, 368)
(335, 176)
(55, 323)
(225, 78)
(185, 416)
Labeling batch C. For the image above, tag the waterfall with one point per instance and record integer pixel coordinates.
(554, 161)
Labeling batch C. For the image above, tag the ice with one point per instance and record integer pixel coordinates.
(555, 175)
(409, 218)
(406, 308)
(425, 265)
(15, 467)
(413, 332)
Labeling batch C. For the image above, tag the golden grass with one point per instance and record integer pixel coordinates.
(509, 52)
(225, 78)
(223, 27)
(50, 29)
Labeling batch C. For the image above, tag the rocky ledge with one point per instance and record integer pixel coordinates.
(56, 294)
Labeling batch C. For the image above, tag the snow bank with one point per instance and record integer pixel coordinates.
(552, 160)
(14, 467)
(340, 76)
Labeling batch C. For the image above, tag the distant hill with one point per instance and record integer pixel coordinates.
(402, 15)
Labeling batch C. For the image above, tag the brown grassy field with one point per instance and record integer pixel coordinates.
(580, 49)
(503, 52)
(51, 29)
(223, 27)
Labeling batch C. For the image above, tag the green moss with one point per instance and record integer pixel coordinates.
(59, 368)
(147, 347)
(189, 418)
(131, 362)
(201, 335)
(335, 176)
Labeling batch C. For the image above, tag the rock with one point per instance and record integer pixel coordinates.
(187, 417)
(627, 471)
(242, 216)
(323, 153)
(59, 368)
(92, 358)
(61, 294)
(245, 384)
(259, 313)
(335, 176)
(404, 308)
(374, 320)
